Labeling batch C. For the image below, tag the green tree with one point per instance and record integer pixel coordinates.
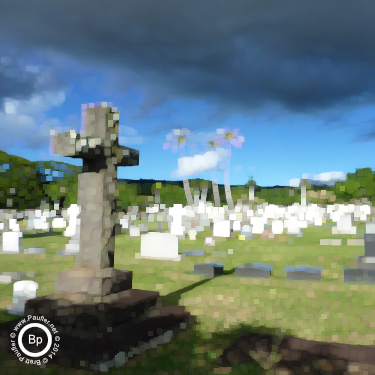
(173, 194)
(127, 195)
(21, 187)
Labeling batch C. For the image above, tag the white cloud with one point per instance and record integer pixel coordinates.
(294, 182)
(23, 121)
(191, 165)
(328, 178)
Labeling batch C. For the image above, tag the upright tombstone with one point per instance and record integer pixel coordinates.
(94, 303)
(73, 213)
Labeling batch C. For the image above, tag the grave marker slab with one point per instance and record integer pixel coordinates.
(194, 253)
(22, 291)
(208, 270)
(303, 272)
(12, 242)
(192, 234)
(221, 229)
(159, 246)
(35, 251)
(15, 276)
(73, 213)
(359, 276)
(366, 263)
(257, 270)
(134, 231)
(369, 244)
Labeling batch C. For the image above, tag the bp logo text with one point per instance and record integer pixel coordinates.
(34, 340)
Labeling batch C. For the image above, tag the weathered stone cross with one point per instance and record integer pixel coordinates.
(101, 154)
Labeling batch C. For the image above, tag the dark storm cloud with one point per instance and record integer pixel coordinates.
(302, 55)
(19, 80)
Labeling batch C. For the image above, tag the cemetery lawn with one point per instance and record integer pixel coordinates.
(227, 306)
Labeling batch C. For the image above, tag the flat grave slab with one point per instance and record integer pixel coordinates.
(208, 270)
(369, 245)
(303, 272)
(35, 250)
(366, 263)
(196, 253)
(261, 270)
(14, 276)
(359, 276)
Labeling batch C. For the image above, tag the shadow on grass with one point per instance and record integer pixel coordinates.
(38, 235)
(190, 351)
(172, 299)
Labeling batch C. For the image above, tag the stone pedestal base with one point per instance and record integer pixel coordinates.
(78, 350)
(91, 282)
(74, 311)
(93, 335)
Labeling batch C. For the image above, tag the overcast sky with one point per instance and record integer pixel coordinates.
(296, 77)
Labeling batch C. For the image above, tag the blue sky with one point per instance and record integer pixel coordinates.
(302, 97)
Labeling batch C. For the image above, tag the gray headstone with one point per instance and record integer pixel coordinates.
(208, 270)
(196, 253)
(369, 245)
(258, 270)
(359, 276)
(303, 272)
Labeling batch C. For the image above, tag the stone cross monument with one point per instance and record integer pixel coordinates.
(94, 308)
(101, 153)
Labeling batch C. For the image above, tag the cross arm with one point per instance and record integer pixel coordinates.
(73, 145)
(127, 157)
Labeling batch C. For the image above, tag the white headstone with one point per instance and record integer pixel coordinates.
(134, 231)
(258, 227)
(222, 229)
(345, 224)
(73, 212)
(58, 223)
(156, 245)
(124, 223)
(192, 234)
(22, 292)
(236, 226)
(12, 242)
(302, 224)
(177, 229)
(318, 221)
(277, 226)
(293, 225)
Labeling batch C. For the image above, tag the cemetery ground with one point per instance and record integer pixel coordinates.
(226, 306)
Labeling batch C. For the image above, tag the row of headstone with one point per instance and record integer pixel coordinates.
(301, 272)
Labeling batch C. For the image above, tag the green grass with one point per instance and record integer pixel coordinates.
(226, 306)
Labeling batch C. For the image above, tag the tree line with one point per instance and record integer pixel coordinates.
(24, 184)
